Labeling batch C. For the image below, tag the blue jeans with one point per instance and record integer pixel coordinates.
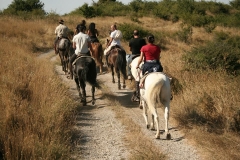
(129, 61)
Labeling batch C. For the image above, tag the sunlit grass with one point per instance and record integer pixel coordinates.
(37, 113)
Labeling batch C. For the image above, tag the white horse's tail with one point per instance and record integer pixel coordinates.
(158, 88)
(154, 94)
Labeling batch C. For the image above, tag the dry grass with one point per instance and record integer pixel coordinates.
(37, 112)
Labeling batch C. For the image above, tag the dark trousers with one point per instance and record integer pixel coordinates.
(152, 67)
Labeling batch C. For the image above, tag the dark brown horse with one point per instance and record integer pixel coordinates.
(97, 54)
(85, 71)
(117, 61)
(63, 46)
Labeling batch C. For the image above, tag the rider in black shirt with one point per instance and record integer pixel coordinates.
(135, 45)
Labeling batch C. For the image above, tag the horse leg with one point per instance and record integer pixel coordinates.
(64, 65)
(166, 116)
(100, 68)
(153, 124)
(62, 62)
(93, 95)
(145, 115)
(83, 86)
(113, 80)
(118, 76)
(155, 120)
(78, 87)
(124, 83)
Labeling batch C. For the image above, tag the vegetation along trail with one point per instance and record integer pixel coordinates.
(115, 129)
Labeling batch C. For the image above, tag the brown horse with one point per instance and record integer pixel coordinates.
(117, 60)
(97, 54)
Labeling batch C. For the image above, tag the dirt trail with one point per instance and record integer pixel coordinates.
(100, 134)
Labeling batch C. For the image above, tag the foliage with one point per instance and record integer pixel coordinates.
(222, 53)
(87, 11)
(102, 9)
(127, 30)
(18, 7)
(235, 4)
(185, 34)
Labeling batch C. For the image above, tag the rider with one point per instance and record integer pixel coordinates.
(81, 43)
(115, 37)
(62, 32)
(82, 23)
(135, 45)
(93, 33)
(151, 55)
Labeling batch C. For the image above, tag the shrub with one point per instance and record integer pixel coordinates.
(222, 53)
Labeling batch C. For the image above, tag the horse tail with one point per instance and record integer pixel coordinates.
(156, 92)
(83, 72)
(159, 92)
(90, 73)
(100, 49)
(121, 62)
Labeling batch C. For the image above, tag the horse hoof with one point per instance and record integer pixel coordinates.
(148, 126)
(124, 86)
(140, 106)
(168, 137)
(157, 136)
(93, 102)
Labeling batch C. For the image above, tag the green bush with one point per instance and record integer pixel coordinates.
(127, 30)
(222, 53)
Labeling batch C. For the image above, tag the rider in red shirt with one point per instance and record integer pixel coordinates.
(151, 55)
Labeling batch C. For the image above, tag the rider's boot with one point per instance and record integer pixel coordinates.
(137, 96)
(107, 60)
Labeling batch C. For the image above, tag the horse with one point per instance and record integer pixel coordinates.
(63, 47)
(97, 54)
(84, 70)
(117, 61)
(156, 91)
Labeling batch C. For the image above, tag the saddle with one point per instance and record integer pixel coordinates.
(81, 56)
(112, 48)
(142, 80)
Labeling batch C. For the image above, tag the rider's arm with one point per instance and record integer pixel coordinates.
(140, 60)
(74, 44)
(110, 41)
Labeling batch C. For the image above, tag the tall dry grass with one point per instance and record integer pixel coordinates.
(38, 114)
(36, 110)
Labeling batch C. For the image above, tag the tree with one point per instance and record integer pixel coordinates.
(104, 1)
(235, 4)
(24, 6)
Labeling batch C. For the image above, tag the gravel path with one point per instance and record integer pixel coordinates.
(101, 135)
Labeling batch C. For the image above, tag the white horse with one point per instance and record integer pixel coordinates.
(156, 90)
